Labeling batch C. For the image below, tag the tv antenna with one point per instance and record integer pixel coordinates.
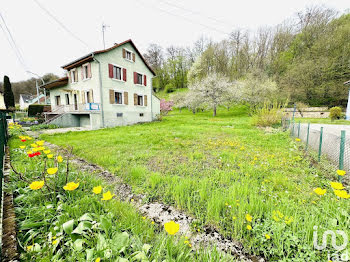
(104, 27)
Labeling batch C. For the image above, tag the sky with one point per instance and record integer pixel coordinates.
(45, 44)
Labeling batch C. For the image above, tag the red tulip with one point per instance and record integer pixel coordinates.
(23, 140)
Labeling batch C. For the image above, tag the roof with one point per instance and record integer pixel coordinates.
(89, 57)
(347, 83)
(26, 97)
(56, 83)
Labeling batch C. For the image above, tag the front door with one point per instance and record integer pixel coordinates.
(75, 102)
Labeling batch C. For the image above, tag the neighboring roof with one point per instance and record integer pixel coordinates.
(347, 83)
(26, 98)
(35, 99)
(89, 57)
(56, 83)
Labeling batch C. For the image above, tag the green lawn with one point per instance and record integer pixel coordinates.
(322, 121)
(223, 170)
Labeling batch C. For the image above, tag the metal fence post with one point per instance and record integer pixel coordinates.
(299, 129)
(320, 145)
(341, 151)
(307, 136)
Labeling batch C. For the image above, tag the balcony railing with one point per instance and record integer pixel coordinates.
(88, 107)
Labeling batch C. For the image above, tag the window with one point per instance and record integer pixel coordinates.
(86, 71)
(88, 97)
(118, 98)
(141, 114)
(67, 99)
(139, 79)
(58, 100)
(117, 72)
(119, 114)
(140, 100)
(74, 75)
(128, 55)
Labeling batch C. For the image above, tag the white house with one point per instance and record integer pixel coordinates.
(103, 89)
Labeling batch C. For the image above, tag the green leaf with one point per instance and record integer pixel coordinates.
(106, 224)
(89, 254)
(101, 242)
(120, 241)
(84, 225)
(121, 259)
(140, 255)
(78, 244)
(68, 226)
(86, 217)
(146, 248)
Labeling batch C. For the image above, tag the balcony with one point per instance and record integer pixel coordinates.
(76, 108)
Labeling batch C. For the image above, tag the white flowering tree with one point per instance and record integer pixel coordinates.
(212, 91)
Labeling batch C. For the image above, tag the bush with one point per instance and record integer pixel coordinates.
(43, 126)
(269, 114)
(35, 110)
(335, 113)
(169, 88)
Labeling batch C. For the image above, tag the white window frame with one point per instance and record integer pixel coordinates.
(72, 73)
(121, 73)
(143, 100)
(142, 80)
(131, 52)
(86, 95)
(123, 100)
(85, 77)
(69, 101)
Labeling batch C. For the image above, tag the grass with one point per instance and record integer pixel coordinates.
(219, 170)
(58, 225)
(322, 121)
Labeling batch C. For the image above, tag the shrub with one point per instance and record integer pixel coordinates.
(169, 88)
(43, 126)
(269, 114)
(335, 113)
(35, 110)
(165, 107)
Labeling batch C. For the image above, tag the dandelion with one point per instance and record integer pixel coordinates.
(36, 185)
(288, 220)
(97, 190)
(143, 218)
(248, 217)
(186, 242)
(22, 147)
(249, 227)
(29, 247)
(337, 185)
(171, 227)
(234, 218)
(54, 242)
(52, 170)
(49, 156)
(98, 259)
(152, 222)
(342, 194)
(267, 236)
(320, 191)
(298, 139)
(47, 151)
(132, 200)
(71, 186)
(59, 159)
(341, 172)
(107, 196)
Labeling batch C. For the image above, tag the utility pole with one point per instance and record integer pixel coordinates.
(104, 26)
(37, 85)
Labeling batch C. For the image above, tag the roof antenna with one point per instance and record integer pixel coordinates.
(104, 26)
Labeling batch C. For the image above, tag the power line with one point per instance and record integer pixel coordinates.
(60, 23)
(186, 18)
(12, 43)
(195, 12)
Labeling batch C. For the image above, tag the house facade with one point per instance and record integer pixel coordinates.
(105, 88)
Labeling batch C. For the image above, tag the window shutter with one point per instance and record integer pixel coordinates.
(76, 73)
(124, 74)
(82, 73)
(82, 97)
(89, 70)
(111, 96)
(124, 53)
(133, 57)
(126, 98)
(110, 70)
(145, 80)
(68, 75)
(91, 96)
(145, 100)
(135, 78)
(135, 99)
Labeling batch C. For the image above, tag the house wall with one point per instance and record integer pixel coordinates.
(155, 107)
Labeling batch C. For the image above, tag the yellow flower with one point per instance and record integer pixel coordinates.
(249, 227)
(54, 242)
(341, 194)
(298, 139)
(36, 185)
(98, 259)
(171, 227)
(29, 247)
(41, 148)
(234, 218)
(29, 138)
(143, 217)
(107, 196)
(59, 159)
(186, 242)
(35, 150)
(337, 185)
(71, 186)
(152, 222)
(49, 156)
(34, 145)
(29, 152)
(52, 170)
(267, 236)
(288, 220)
(248, 217)
(320, 191)
(40, 143)
(97, 190)
(22, 147)
(47, 151)
(341, 172)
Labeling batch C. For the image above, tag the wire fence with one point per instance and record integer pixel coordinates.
(329, 141)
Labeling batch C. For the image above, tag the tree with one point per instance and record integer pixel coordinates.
(8, 94)
(213, 91)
